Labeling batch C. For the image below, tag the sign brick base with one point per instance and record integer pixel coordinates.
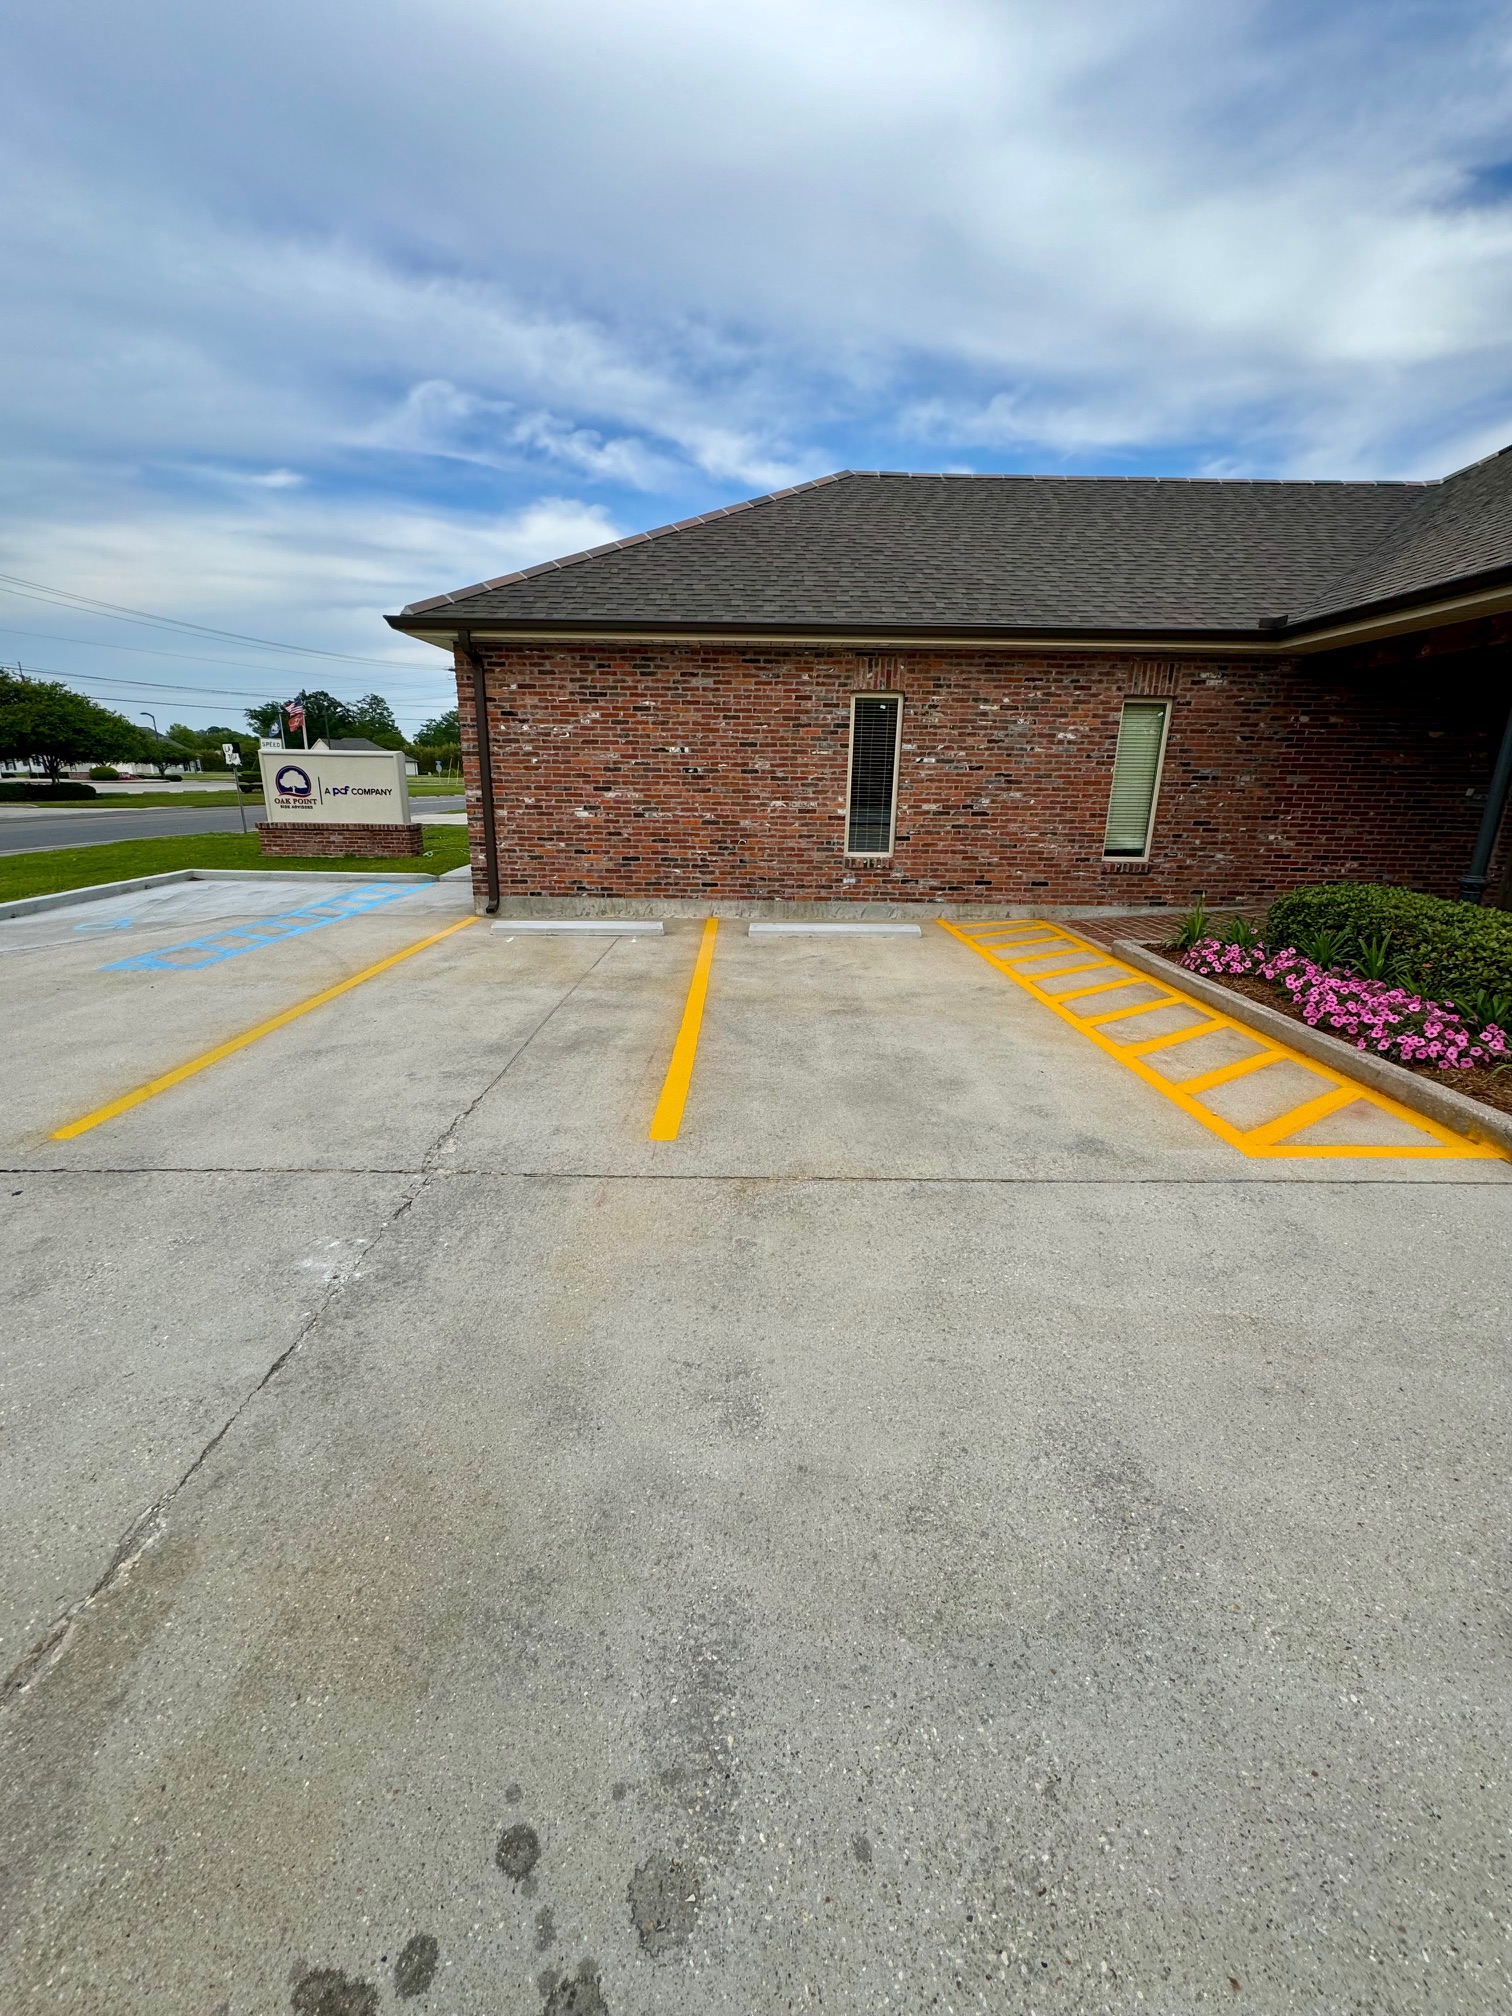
(332, 842)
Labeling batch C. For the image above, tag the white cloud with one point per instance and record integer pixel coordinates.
(286, 568)
(331, 561)
(310, 337)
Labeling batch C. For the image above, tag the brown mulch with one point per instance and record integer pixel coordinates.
(1482, 1082)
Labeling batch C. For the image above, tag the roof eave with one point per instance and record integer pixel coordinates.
(438, 629)
(1485, 594)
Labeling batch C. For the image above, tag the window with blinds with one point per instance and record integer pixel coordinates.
(1136, 778)
(873, 773)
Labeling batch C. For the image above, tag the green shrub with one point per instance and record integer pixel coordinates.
(43, 794)
(1443, 949)
(103, 773)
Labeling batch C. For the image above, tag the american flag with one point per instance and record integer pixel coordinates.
(295, 713)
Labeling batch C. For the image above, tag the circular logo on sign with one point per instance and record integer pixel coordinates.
(292, 781)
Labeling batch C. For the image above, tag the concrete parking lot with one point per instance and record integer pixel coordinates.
(947, 1531)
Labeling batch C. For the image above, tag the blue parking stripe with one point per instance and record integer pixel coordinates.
(231, 944)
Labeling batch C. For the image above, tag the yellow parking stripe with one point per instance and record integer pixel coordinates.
(209, 1057)
(1142, 1008)
(669, 1108)
(1081, 993)
(1172, 1037)
(1006, 945)
(1287, 1124)
(1208, 1081)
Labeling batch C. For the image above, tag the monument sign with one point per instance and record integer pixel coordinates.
(322, 787)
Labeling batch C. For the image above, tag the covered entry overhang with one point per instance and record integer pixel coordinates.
(1468, 658)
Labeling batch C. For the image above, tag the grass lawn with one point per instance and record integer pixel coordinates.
(75, 867)
(120, 801)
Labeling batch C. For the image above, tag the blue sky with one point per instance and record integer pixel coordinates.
(314, 309)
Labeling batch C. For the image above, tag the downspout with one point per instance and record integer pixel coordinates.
(1473, 884)
(485, 770)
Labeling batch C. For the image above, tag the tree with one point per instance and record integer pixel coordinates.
(266, 719)
(164, 752)
(325, 715)
(207, 743)
(445, 728)
(375, 720)
(46, 720)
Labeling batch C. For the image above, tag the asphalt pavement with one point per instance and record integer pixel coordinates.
(24, 830)
(945, 1533)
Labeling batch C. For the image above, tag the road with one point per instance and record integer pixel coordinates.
(24, 831)
(946, 1532)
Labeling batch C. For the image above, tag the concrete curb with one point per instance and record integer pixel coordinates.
(603, 927)
(93, 892)
(820, 927)
(305, 874)
(777, 907)
(1451, 1109)
(97, 892)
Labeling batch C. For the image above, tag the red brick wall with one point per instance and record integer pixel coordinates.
(327, 841)
(720, 771)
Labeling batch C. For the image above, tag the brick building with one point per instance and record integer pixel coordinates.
(999, 691)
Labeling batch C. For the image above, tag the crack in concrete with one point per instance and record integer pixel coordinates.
(148, 1526)
(428, 1163)
(43, 1655)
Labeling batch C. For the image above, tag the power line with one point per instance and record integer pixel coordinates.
(153, 688)
(137, 685)
(401, 667)
(38, 591)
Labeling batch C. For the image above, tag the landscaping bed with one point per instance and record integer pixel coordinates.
(1423, 983)
(1480, 1082)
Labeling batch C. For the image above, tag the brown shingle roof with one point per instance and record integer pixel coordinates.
(891, 552)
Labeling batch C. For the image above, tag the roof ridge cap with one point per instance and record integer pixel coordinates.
(1480, 462)
(620, 545)
(1080, 476)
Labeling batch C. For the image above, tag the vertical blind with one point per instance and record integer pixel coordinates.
(1136, 771)
(874, 757)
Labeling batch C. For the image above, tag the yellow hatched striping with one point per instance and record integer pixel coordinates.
(1012, 944)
